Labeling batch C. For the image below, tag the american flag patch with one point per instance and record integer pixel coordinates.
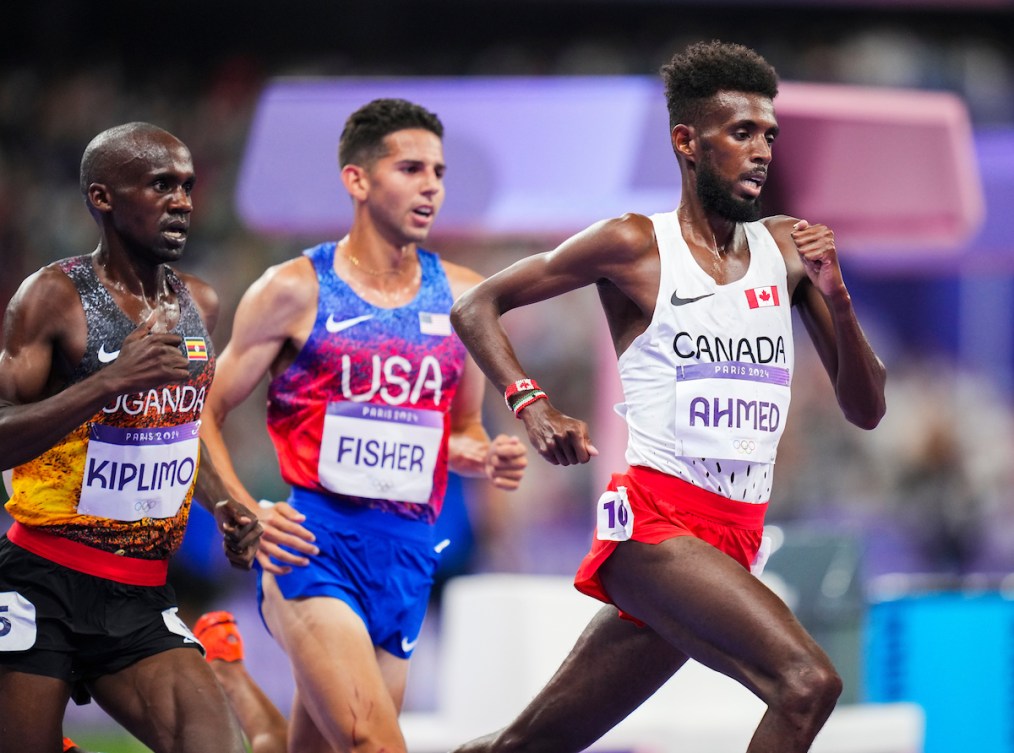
(761, 297)
(434, 324)
(197, 348)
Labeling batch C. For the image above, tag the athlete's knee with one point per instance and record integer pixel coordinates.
(809, 689)
(366, 738)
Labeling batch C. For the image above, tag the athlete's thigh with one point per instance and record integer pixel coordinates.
(171, 701)
(394, 670)
(31, 712)
(709, 606)
(335, 667)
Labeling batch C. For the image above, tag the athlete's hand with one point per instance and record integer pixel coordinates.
(240, 530)
(560, 439)
(148, 359)
(283, 532)
(817, 251)
(506, 461)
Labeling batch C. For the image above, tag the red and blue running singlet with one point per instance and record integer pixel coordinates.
(363, 411)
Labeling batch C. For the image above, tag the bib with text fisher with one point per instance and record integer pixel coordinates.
(380, 451)
(135, 473)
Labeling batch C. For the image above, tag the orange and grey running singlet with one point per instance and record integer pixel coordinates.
(363, 411)
(122, 481)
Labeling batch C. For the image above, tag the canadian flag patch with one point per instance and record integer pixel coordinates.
(761, 297)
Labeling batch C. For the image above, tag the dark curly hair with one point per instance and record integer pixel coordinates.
(703, 69)
(362, 139)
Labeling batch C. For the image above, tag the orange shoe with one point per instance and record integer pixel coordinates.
(220, 637)
(69, 746)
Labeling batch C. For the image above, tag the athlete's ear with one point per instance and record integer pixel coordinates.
(684, 141)
(356, 181)
(99, 197)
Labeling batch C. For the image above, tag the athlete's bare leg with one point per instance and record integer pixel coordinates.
(694, 597)
(172, 703)
(31, 712)
(262, 723)
(264, 726)
(341, 685)
(612, 669)
(710, 607)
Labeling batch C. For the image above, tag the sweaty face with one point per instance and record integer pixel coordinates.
(150, 196)
(732, 164)
(406, 186)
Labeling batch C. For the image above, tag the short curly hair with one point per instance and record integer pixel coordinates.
(703, 69)
(362, 139)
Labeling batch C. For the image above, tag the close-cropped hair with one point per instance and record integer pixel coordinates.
(114, 146)
(695, 75)
(362, 139)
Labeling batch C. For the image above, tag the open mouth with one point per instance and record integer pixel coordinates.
(753, 183)
(176, 234)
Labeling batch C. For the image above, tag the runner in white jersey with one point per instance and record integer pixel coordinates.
(697, 302)
(731, 391)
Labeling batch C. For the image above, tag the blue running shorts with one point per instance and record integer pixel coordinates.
(378, 563)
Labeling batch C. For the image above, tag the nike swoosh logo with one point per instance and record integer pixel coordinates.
(677, 301)
(333, 327)
(407, 645)
(105, 356)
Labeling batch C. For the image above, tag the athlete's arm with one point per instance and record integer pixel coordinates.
(470, 451)
(613, 250)
(238, 525)
(269, 315)
(825, 307)
(44, 338)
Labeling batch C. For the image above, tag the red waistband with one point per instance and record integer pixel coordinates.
(694, 499)
(86, 559)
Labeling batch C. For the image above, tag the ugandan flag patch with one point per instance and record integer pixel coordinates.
(197, 348)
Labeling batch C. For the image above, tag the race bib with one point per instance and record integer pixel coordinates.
(615, 519)
(132, 474)
(379, 451)
(731, 409)
(17, 622)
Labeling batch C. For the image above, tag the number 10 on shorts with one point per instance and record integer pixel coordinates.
(615, 518)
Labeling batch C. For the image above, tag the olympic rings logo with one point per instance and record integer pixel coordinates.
(381, 486)
(745, 446)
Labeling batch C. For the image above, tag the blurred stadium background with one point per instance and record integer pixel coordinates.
(914, 517)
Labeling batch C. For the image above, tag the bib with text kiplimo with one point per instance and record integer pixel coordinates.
(135, 473)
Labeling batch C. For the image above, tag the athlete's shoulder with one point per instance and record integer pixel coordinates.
(279, 299)
(204, 296)
(46, 289)
(779, 225)
(460, 277)
(632, 230)
(289, 278)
